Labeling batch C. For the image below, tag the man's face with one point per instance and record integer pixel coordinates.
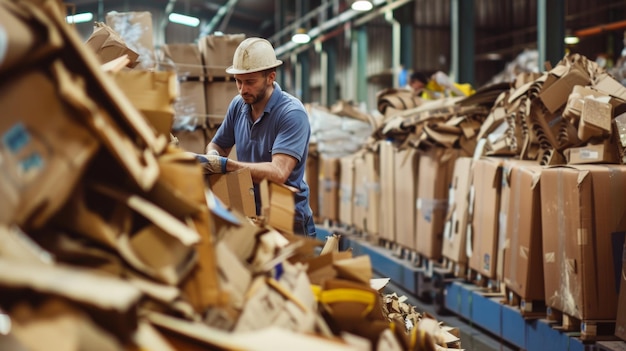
(416, 85)
(253, 86)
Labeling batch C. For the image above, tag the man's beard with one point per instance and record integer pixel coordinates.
(253, 99)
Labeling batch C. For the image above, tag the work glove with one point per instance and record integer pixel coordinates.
(211, 163)
(442, 79)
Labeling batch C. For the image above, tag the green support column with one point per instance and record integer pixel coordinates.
(281, 72)
(405, 15)
(462, 31)
(305, 73)
(550, 31)
(359, 61)
(330, 49)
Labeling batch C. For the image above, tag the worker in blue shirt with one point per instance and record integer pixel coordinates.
(269, 127)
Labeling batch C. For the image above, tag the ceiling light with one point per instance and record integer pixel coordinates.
(184, 19)
(79, 18)
(362, 5)
(301, 36)
(571, 40)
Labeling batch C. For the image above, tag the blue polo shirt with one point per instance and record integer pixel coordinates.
(282, 129)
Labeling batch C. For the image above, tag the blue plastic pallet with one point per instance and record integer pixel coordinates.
(468, 302)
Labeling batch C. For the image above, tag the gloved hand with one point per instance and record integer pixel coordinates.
(442, 79)
(212, 163)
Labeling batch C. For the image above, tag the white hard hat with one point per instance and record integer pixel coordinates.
(253, 55)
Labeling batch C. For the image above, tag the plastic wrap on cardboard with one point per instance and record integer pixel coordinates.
(136, 30)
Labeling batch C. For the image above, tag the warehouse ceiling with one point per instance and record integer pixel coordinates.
(253, 17)
(503, 28)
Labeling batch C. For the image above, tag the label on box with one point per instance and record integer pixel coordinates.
(589, 154)
(4, 43)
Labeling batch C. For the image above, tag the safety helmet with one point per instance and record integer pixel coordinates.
(253, 55)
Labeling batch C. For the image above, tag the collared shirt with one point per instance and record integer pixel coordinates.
(282, 129)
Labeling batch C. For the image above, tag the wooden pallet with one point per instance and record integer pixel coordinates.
(589, 330)
(529, 309)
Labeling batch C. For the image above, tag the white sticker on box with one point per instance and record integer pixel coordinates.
(4, 44)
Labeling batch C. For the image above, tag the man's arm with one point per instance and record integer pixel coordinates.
(212, 147)
(277, 171)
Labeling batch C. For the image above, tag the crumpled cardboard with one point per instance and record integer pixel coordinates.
(111, 301)
(45, 150)
(27, 41)
(108, 45)
(135, 28)
(153, 93)
(58, 325)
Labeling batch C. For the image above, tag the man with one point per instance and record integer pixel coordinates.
(437, 85)
(270, 128)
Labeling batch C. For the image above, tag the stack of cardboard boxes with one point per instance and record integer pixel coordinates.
(110, 238)
(517, 190)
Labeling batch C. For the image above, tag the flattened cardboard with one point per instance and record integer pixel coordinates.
(44, 148)
(236, 191)
(578, 257)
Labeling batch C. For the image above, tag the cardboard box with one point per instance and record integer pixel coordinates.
(235, 190)
(486, 183)
(578, 253)
(433, 181)
(190, 108)
(387, 192)
(24, 44)
(607, 84)
(43, 147)
(457, 219)
(595, 119)
(218, 96)
(359, 205)
(620, 322)
(346, 190)
(405, 193)
(312, 176)
(153, 94)
(217, 53)
(555, 95)
(278, 205)
(329, 188)
(108, 45)
(523, 255)
(373, 201)
(186, 58)
(136, 30)
(596, 151)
